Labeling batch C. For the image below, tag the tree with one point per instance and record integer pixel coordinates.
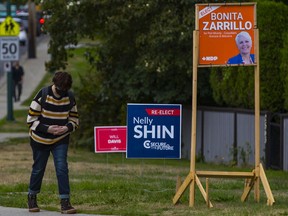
(284, 69)
(144, 54)
(234, 86)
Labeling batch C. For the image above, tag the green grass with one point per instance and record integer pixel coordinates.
(18, 125)
(77, 65)
(110, 184)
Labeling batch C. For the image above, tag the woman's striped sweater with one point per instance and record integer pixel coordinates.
(56, 111)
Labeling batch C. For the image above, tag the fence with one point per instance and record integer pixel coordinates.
(227, 135)
(284, 142)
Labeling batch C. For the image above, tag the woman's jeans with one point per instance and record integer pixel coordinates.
(40, 158)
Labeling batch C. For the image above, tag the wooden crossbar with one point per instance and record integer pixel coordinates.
(224, 174)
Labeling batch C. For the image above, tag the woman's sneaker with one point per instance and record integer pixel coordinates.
(32, 203)
(66, 207)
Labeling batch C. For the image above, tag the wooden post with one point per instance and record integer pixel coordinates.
(194, 116)
(257, 120)
(207, 192)
(178, 183)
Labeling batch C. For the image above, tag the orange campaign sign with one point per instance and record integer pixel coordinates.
(226, 34)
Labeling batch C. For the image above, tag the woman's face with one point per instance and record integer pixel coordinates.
(244, 45)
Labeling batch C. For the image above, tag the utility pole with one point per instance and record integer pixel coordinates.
(10, 84)
(8, 8)
(31, 29)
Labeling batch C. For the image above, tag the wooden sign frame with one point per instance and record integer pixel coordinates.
(252, 179)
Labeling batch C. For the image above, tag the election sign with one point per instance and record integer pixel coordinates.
(110, 139)
(154, 131)
(226, 33)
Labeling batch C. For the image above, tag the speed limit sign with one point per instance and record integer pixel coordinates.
(9, 48)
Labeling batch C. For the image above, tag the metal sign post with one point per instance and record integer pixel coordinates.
(10, 91)
(9, 52)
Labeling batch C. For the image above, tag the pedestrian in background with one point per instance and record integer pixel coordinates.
(17, 76)
(52, 117)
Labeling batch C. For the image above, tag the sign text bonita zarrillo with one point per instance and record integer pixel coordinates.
(227, 21)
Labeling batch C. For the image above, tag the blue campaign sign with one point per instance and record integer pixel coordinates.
(154, 131)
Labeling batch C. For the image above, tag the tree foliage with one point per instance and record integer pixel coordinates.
(235, 86)
(284, 69)
(145, 50)
(144, 55)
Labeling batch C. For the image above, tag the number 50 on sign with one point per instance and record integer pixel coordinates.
(9, 48)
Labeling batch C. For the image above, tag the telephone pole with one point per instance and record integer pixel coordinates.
(31, 29)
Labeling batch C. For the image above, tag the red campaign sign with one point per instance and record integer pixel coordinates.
(163, 112)
(110, 139)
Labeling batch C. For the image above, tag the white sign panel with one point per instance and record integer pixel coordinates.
(9, 48)
(7, 67)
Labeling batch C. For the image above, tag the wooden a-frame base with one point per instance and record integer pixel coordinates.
(251, 179)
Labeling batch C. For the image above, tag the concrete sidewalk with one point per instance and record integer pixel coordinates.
(7, 211)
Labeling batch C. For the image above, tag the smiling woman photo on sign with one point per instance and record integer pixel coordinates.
(244, 44)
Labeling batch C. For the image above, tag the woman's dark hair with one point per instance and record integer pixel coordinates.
(62, 80)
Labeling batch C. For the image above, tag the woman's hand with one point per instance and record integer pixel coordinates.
(61, 130)
(57, 130)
